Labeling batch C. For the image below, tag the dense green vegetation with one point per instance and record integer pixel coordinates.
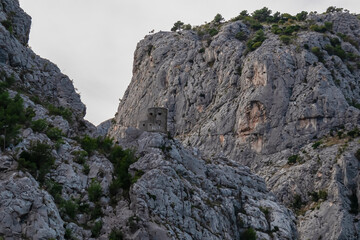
(39, 125)
(283, 24)
(38, 160)
(13, 115)
(256, 41)
(8, 25)
(293, 159)
(121, 160)
(102, 144)
(60, 111)
(116, 234)
(249, 234)
(95, 230)
(320, 195)
(95, 191)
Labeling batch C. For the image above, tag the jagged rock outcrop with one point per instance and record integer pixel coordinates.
(221, 98)
(57, 179)
(182, 196)
(26, 210)
(261, 107)
(34, 75)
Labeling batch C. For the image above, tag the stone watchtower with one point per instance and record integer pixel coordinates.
(156, 120)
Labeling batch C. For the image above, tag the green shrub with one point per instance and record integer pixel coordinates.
(348, 39)
(136, 177)
(218, 18)
(292, 159)
(177, 26)
(133, 223)
(332, 9)
(8, 25)
(101, 144)
(249, 234)
(116, 234)
(261, 15)
(84, 207)
(301, 16)
(276, 29)
(318, 53)
(39, 125)
(121, 160)
(354, 133)
(96, 212)
(68, 234)
(289, 30)
(96, 229)
(297, 202)
(316, 144)
(70, 208)
(285, 39)
(320, 195)
(256, 41)
(86, 169)
(38, 160)
(328, 25)
(6, 81)
(12, 117)
(54, 133)
(95, 191)
(256, 25)
(187, 27)
(318, 28)
(80, 156)
(54, 189)
(89, 144)
(105, 144)
(323, 194)
(60, 111)
(240, 36)
(213, 32)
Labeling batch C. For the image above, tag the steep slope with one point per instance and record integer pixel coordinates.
(222, 98)
(260, 103)
(59, 180)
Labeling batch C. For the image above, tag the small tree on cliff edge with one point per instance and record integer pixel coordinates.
(177, 26)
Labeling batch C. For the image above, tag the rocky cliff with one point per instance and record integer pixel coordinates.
(283, 100)
(60, 178)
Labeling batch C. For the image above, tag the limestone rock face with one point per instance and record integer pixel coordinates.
(36, 76)
(21, 22)
(261, 107)
(183, 196)
(273, 109)
(26, 210)
(221, 98)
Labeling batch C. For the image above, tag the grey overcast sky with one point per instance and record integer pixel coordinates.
(93, 41)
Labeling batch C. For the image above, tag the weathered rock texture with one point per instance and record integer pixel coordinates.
(261, 107)
(181, 195)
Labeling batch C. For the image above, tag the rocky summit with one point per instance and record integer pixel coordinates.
(263, 140)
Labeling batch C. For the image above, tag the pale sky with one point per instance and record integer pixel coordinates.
(93, 41)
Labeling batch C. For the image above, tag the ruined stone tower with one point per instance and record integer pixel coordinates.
(156, 120)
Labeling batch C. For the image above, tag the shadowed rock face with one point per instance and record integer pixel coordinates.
(262, 107)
